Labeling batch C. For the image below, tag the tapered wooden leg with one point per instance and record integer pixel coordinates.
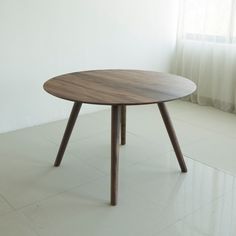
(123, 125)
(115, 130)
(172, 135)
(68, 131)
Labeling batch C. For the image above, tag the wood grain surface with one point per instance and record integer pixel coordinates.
(119, 87)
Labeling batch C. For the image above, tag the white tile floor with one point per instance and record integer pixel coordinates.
(155, 198)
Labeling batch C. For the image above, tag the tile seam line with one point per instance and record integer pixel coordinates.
(19, 209)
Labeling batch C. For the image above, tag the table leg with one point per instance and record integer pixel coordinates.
(123, 125)
(115, 130)
(172, 135)
(68, 131)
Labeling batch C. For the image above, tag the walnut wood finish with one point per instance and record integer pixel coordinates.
(172, 135)
(70, 125)
(115, 131)
(119, 87)
(123, 125)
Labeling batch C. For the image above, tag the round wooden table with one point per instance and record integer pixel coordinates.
(119, 88)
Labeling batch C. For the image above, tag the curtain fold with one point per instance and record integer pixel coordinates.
(206, 51)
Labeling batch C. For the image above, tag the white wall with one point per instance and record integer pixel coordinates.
(43, 38)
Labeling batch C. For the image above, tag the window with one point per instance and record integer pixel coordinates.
(209, 20)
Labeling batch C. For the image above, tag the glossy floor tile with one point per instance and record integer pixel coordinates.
(216, 219)
(220, 156)
(155, 198)
(205, 117)
(87, 212)
(16, 224)
(152, 197)
(96, 150)
(27, 173)
(5, 207)
(179, 229)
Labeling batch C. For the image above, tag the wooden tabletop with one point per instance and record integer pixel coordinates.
(119, 87)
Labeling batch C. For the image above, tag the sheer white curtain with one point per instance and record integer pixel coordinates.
(206, 50)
